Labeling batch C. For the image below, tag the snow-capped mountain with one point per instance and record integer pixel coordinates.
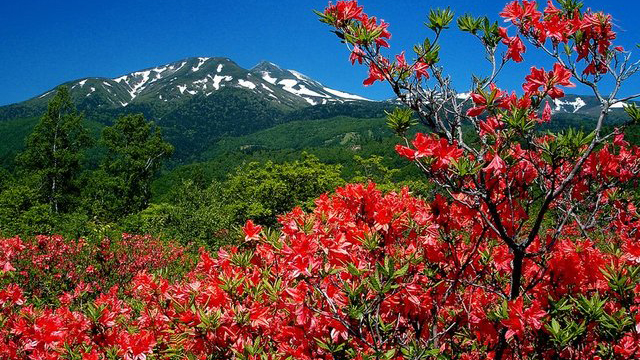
(167, 87)
(585, 105)
(301, 85)
(203, 76)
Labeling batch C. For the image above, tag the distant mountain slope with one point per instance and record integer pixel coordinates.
(167, 87)
(199, 101)
(334, 140)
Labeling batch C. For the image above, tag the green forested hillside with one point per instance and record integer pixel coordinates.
(234, 155)
(13, 134)
(334, 141)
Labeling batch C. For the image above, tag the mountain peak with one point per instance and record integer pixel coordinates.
(179, 81)
(265, 65)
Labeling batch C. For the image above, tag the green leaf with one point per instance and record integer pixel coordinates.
(439, 19)
(402, 271)
(633, 111)
(468, 23)
(400, 120)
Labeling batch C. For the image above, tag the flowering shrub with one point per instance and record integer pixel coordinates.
(53, 270)
(521, 187)
(365, 276)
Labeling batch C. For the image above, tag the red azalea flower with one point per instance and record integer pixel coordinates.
(549, 81)
(401, 61)
(481, 105)
(375, 74)
(406, 152)
(356, 55)
(546, 113)
(344, 10)
(520, 319)
(521, 12)
(251, 230)
(515, 46)
(421, 70)
(496, 166)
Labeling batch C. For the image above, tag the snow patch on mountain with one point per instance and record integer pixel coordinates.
(45, 94)
(182, 64)
(345, 95)
(247, 84)
(618, 105)
(201, 62)
(160, 69)
(218, 79)
(202, 81)
(267, 77)
(573, 106)
(463, 96)
(80, 84)
(136, 88)
(300, 76)
(290, 84)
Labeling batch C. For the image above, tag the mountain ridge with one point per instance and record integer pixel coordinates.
(179, 81)
(199, 100)
(165, 88)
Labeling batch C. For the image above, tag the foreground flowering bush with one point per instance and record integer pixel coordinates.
(521, 187)
(365, 276)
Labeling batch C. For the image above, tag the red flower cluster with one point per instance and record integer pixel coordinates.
(548, 81)
(532, 253)
(9, 248)
(57, 270)
(515, 46)
(349, 17)
(367, 36)
(345, 11)
(499, 104)
(440, 153)
(538, 221)
(365, 274)
(591, 33)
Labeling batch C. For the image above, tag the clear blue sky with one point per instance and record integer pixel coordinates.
(44, 43)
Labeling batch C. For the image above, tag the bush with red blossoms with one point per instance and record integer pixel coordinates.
(523, 187)
(367, 275)
(52, 270)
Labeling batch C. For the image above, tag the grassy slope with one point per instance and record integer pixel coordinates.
(334, 141)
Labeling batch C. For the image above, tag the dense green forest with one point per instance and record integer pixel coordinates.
(63, 173)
